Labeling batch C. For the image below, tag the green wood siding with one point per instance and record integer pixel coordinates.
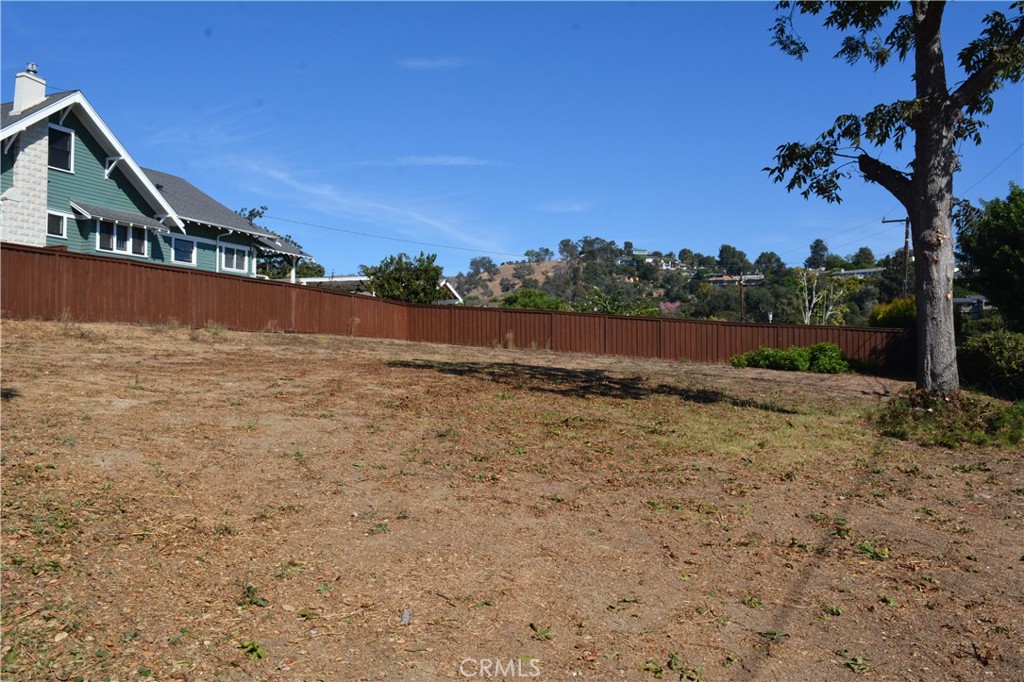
(88, 183)
(7, 170)
(207, 256)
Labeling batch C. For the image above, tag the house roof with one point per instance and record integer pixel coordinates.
(9, 119)
(191, 203)
(280, 245)
(195, 205)
(117, 216)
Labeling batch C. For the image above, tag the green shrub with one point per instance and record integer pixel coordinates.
(825, 358)
(828, 358)
(951, 420)
(900, 313)
(994, 363)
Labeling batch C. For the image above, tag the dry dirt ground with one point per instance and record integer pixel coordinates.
(205, 504)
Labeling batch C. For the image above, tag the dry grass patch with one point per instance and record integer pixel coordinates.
(206, 504)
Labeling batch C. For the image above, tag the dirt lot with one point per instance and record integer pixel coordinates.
(204, 504)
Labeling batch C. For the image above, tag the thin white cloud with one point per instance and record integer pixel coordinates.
(221, 127)
(324, 197)
(428, 161)
(567, 206)
(420, 64)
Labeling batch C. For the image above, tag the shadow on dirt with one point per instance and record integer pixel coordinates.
(8, 394)
(573, 383)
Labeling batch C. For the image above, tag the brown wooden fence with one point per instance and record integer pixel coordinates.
(55, 284)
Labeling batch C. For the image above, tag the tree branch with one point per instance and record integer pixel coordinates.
(932, 20)
(888, 177)
(979, 81)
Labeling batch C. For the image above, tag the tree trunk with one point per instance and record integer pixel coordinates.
(933, 267)
(929, 205)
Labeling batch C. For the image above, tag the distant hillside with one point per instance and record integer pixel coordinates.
(491, 287)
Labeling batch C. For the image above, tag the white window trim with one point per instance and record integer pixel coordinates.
(224, 259)
(66, 217)
(71, 159)
(195, 251)
(128, 252)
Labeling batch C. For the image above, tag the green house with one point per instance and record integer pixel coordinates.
(67, 182)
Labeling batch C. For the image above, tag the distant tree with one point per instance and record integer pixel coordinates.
(863, 258)
(990, 249)
(276, 265)
(532, 299)
(617, 301)
(770, 265)
(819, 252)
(568, 250)
(687, 257)
(897, 277)
(506, 284)
(732, 261)
(412, 280)
(821, 297)
(627, 249)
(834, 261)
(706, 262)
(481, 265)
(538, 255)
(938, 118)
(647, 272)
(522, 271)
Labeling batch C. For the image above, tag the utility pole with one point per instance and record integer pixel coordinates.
(906, 250)
(741, 298)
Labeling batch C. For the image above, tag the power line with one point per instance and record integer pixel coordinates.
(982, 178)
(393, 239)
(874, 234)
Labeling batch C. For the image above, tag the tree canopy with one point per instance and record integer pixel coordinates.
(276, 265)
(532, 299)
(937, 119)
(990, 249)
(401, 278)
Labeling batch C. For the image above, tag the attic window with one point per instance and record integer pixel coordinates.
(62, 149)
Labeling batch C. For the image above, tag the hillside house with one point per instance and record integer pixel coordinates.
(67, 182)
(725, 280)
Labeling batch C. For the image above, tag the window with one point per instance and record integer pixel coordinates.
(183, 251)
(62, 149)
(121, 239)
(234, 259)
(56, 225)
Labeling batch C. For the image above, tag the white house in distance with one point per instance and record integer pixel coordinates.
(356, 284)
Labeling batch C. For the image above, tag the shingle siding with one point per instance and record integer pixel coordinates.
(24, 209)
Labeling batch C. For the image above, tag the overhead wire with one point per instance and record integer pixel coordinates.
(393, 239)
(886, 214)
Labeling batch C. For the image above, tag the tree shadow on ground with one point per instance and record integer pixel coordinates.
(590, 383)
(8, 394)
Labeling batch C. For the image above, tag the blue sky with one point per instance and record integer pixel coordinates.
(491, 127)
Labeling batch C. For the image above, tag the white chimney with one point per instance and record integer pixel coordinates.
(29, 89)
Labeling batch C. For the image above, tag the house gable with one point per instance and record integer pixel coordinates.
(65, 180)
(72, 107)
